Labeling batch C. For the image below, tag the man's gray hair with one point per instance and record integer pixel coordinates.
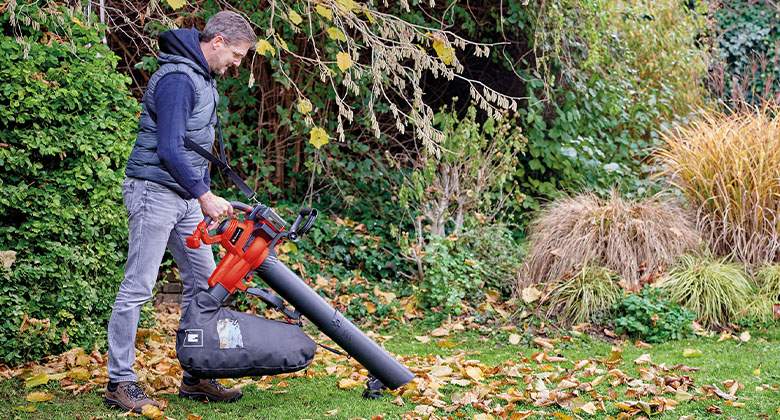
(232, 26)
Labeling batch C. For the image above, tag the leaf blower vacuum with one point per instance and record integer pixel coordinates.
(215, 342)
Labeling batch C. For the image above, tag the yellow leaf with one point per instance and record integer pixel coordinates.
(176, 4)
(692, 353)
(281, 43)
(343, 61)
(318, 137)
(369, 15)
(346, 5)
(294, 17)
(444, 51)
(288, 247)
(39, 379)
(264, 46)
(39, 397)
(194, 417)
(348, 383)
(77, 21)
(757, 372)
(151, 412)
(335, 33)
(29, 408)
(79, 374)
(304, 106)
(324, 12)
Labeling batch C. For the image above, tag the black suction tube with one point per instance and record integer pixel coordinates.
(331, 322)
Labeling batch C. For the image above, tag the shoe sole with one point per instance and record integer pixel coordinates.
(200, 396)
(116, 404)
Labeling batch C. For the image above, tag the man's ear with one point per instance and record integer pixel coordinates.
(218, 42)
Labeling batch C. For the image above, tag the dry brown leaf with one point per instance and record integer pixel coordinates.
(423, 338)
(643, 359)
(514, 339)
(440, 332)
(474, 373)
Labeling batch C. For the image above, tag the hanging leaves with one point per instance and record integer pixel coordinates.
(344, 61)
(336, 34)
(263, 47)
(318, 137)
(176, 4)
(443, 50)
(324, 12)
(304, 106)
(294, 17)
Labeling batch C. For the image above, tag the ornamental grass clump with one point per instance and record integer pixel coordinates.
(635, 239)
(588, 296)
(728, 166)
(764, 295)
(716, 291)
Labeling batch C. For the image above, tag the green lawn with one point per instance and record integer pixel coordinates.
(753, 363)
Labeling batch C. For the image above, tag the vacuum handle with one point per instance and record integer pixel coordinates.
(301, 226)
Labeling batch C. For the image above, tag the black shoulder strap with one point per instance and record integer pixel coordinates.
(221, 161)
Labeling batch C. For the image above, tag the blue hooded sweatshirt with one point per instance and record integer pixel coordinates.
(174, 98)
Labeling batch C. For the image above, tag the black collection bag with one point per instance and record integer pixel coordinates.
(216, 342)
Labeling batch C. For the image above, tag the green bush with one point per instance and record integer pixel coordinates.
(67, 123)
(716, 291)
(452, 276)
(649, 316)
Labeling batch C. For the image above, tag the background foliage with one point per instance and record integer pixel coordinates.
(67, 123)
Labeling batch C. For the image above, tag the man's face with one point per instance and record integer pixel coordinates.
(227, 54)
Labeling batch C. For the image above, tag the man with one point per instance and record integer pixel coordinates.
(166, 191)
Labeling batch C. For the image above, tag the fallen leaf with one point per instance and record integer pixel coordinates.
(692, 353)
(474, 373)
(440, 332)
(422, 338)
(348, 383)
(194, 417)
(643, 359)
(714, 409)
(39, 379)
(151, 412)
(744, 337)
(39, 397)
(79, 374)
(483, 416)
(29, 408)
(331, 413)
(530, 294)
(514, 339)
(441, 371)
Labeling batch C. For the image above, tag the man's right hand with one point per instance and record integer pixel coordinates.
(214, 206)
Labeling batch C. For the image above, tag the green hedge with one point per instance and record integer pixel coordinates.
(67, 124)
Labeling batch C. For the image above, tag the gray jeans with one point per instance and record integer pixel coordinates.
(157, 218)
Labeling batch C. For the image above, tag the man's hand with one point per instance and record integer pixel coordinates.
(214, 206)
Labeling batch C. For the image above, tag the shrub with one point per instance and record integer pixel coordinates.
(649, 316)
(717, 292)
(636, 239)
(495, 249)
(587, 296)
(452, 276)
(67, 124)
(728, 166)
(764, 294)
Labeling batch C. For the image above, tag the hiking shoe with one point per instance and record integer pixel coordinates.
(209, 390)
(128, 396)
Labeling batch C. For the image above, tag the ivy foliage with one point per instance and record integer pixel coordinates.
(749, 48)
(67, 124)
